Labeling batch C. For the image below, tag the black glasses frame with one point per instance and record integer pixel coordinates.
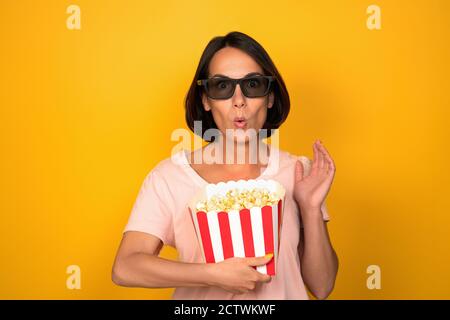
(204, 83)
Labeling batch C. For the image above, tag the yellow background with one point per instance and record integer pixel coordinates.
(86, 114)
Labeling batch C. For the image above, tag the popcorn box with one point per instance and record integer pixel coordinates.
(227, 226)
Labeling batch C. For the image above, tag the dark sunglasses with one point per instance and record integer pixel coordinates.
(221, 88)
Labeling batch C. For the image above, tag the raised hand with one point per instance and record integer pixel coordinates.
(310, 191)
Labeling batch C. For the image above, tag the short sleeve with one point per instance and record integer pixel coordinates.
(307, 168)
(151, 212)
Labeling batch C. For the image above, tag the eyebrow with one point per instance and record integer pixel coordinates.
(248, 74)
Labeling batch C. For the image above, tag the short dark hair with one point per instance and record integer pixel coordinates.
(193, 101)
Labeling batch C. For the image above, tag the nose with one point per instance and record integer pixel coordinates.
(238, 97)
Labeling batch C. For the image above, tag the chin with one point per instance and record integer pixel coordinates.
(240, 135)
(243, 136)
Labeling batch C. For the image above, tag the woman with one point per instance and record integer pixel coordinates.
(258, 100)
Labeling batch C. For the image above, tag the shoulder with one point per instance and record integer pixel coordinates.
(288, 160)
(168, 168)
(287, 157)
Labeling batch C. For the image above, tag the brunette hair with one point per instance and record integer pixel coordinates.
(193, 101)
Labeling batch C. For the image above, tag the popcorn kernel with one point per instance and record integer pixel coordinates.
(236, 199)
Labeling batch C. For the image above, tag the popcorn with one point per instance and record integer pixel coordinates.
(239, 219)
(239, 199)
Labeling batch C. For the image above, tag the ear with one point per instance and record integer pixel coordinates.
(271, 100)
(205, 102)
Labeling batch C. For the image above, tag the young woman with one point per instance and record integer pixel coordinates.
(236, 89)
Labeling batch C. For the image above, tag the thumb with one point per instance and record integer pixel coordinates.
(260, 261)
(298, 171)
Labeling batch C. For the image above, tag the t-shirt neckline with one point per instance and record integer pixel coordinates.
(201, 182)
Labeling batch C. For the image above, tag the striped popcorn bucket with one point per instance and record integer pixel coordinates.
(250, 232)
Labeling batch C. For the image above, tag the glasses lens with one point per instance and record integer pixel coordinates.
(220, 88)
(256, 86)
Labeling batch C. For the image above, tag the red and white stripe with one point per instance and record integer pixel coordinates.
(246, 233)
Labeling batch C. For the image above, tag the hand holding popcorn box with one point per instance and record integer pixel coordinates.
(239, 219)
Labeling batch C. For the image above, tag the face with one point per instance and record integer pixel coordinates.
(228, 114)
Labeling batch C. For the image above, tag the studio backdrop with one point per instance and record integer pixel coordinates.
(91, 92)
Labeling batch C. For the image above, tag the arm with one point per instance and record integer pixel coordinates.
(317, 257)
(137, 265)
(319, 262)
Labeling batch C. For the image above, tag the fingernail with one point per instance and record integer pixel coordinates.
(269, 255)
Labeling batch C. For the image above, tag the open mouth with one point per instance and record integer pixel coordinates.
(240, 123)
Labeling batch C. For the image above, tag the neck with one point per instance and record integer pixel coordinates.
(241, 155)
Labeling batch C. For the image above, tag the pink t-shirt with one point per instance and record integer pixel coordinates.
(161, 209)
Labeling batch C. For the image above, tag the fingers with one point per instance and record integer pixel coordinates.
(259, 261)
(240, 290)
(318, 162)
(321, 156)
(237, 290)
(259, 278)
(316, 152)
(249, 286)
(298, 171)
(328, 159)
(323, 162)
(253, 279)
(264, 277)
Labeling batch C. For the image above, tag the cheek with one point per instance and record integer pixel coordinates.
(220, 114)
(260, 116)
